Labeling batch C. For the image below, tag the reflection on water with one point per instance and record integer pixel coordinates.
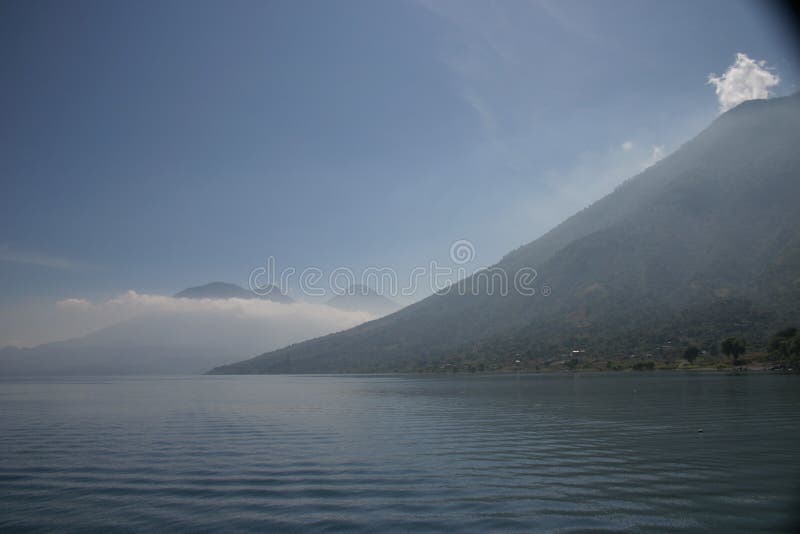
(569, 452)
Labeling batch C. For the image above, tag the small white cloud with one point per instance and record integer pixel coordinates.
(746, 79)
(627, 145)
(656, 154)
(483, 111)
(80, 304)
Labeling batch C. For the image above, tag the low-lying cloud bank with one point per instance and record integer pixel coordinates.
(132, 304)
(35, 323)
(142, 333)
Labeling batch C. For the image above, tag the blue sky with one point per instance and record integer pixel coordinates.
(157, 145)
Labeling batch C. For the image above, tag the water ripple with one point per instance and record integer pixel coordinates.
(564, 453)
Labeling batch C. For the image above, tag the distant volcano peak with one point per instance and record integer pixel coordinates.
(227, 290)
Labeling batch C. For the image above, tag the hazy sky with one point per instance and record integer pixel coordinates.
(151, 146)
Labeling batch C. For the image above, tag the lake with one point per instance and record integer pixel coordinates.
(567, 452)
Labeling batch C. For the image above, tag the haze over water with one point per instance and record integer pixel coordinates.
(376, 453)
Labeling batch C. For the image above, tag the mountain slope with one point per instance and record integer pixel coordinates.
(163, 343)
(703, 243)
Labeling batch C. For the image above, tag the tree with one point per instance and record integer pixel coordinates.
(785, 345)
(733, 347)
(783, 342)
(691, 353)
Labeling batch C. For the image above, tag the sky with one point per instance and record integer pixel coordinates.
(153, 146)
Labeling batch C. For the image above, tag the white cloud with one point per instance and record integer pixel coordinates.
(484, 112)
(478, 48)
(74, 304)
(746, 79)
(627, 145)
(9, 254)
(656, 154)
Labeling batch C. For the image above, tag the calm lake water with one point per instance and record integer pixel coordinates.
(376, 453)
